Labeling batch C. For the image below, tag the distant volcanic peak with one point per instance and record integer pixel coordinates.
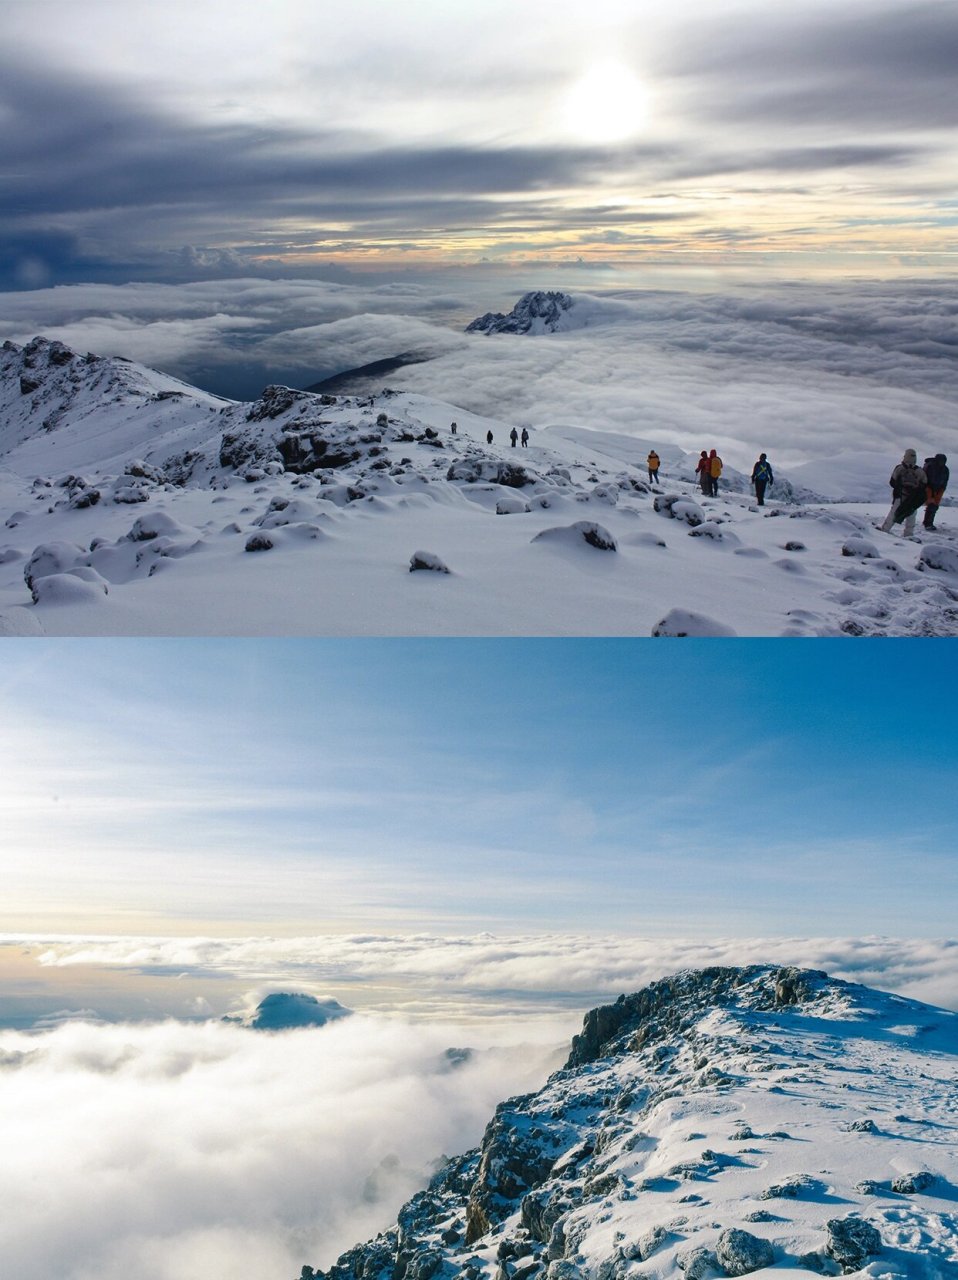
(284, 1010)
(659, 1008)
(538, 312)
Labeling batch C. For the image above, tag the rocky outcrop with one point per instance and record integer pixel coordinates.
(537, 312)
(574, 1183)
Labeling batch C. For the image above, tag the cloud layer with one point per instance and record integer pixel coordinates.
(178, 1152)
(806, 371)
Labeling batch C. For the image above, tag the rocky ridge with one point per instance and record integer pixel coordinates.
(718, 1123)
(537, 312)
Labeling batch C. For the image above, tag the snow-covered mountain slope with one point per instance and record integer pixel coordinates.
(721, 1122)
(133, 504)
(61, 410)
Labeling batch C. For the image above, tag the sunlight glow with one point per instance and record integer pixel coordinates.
(608, 103)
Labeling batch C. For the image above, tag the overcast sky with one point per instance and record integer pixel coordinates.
(168, 141)
(301, 786)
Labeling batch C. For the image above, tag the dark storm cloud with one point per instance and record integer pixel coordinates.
(87, 159)
(893, 66)
(96, 183)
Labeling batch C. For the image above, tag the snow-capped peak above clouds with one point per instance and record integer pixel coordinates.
(137, 504)
(716, 1123)
(551, 311)
(539, 312)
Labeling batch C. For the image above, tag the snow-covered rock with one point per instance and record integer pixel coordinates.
(686, 622)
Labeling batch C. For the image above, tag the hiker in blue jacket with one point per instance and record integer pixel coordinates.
(762, 477)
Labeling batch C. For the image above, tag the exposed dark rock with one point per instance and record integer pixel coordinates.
(910, 1184)
(739, 1252)
(539, 310)
(259, 542)
(851, 1241)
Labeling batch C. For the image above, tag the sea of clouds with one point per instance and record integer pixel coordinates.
(805, 371)
(180, 1150)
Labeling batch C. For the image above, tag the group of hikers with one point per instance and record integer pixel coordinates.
(514, 436)
(914, 487)
(709, 468)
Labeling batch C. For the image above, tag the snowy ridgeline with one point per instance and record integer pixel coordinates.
(722, 1122)
(135, 504)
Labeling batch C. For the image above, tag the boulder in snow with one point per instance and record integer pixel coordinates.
(677, 507)
(739, 1252)
(70, 588)
(511, 504)
(50, 558)
(910, 1184)
(935, 555)
(851, 1240)
(157, 524)
(594, 535)
(860, 548)
(683, 622)
(427, 560)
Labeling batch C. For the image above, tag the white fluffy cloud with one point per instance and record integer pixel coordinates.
(177, 1152)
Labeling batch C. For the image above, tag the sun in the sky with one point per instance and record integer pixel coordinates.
(607, 103)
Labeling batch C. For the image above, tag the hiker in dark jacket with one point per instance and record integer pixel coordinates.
(936, 475)
(488, 437)
(514, 437)
(762, 477)
(524, 437)
(908, 486)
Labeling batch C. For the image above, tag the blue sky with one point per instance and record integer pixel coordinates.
(290, 786)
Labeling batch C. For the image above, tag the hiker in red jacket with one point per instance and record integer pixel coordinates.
(704, 473)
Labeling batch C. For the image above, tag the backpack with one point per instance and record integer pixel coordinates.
(936, 472)
(762, 471)
(715, 466)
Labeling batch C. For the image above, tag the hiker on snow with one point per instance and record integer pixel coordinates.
(652, 461)
(762, 477)
(524, 437)
(488, 437)
(715, 470)
(936, 474)
(908, 487)
(513, 436)
(704, 473)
